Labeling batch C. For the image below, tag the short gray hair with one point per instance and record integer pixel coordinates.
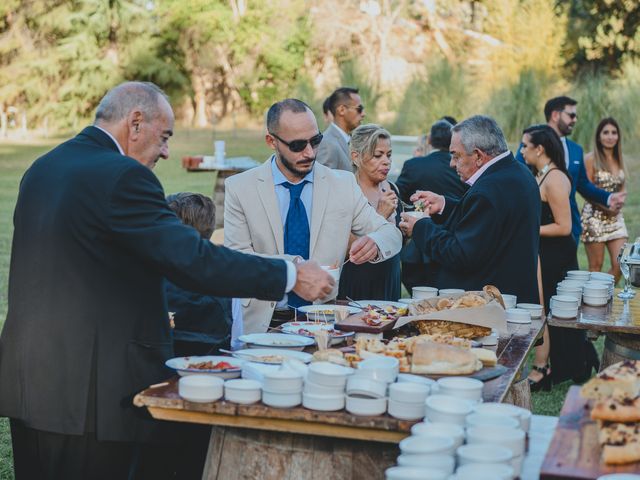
(483, 133)
(364, 140)
(123, 98)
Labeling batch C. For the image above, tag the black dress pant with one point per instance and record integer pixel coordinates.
(40, 455)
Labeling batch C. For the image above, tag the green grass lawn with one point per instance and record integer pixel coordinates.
(16, 158)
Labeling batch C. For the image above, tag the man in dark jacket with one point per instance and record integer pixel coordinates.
(87, 325)
(491, 234)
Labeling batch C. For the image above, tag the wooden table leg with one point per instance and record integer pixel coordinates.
(236, 453)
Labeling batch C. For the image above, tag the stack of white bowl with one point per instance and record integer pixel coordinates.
(604, 278)
(282, 388)
(595, 294)
(242, 391)
(407, 400)
(461, 387)
(518, 315)
(200, 388)
(324, 386)
(534, 308)
(509, 300)
(563, 306)
(367, 401)
(570, 288)
(580, 275)
(428, 452)
(420, 293)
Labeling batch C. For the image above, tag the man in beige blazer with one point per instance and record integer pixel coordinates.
(256, 206)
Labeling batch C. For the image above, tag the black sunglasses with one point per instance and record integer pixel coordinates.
(298, 146)
(359, 108)
(572, 115)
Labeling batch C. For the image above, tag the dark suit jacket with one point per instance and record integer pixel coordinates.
(579, 182)
(431, 173)
(94, 239)
(490, 236)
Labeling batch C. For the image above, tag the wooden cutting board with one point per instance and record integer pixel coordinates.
(574, 452)
(355, 323)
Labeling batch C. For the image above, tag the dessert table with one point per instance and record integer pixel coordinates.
(258, 441)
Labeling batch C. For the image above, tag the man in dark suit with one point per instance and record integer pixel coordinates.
(432, 173)
(561, 115)
(347, 110)
(491, 234)
(87, 326)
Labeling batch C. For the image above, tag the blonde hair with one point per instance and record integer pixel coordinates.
(364, 140)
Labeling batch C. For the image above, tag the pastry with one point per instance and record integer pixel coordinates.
(439, 359)
(622, 376)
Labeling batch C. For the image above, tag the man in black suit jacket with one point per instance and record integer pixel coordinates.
(490, 235)
(432, 173)
(87, 326)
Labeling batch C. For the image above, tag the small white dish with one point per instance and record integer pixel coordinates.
(283, 380)
(384, 369)
(316, 389)
(200, 388)
(360, 385)
(424, 292)
(408, 377)
(409, 392)
(461, 387)
(272, 356)
(564, 313)
(594, 301)
(427, 446)
(187, 366)
(602, 276)
(489, 421)
(323, 403)
(325, 313)
(449, 292)
(518, 315)
(281, 400)
(407, 301)
(490, 340)
(512, 438)
(242, 391)
(570, 292)
(417, 215)
(534, 308)
(366, 406)
(449, 430)
(564, 301)
(506, 409)
(446, 463)
(509, 300)
(328, 374)
(405, 410)
(447, 409)
(483, 454)
(276, 340)
(579, 274)
(620, 476)
(414, 473)
(485, 471)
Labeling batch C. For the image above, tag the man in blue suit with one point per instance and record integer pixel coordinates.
(560, 113)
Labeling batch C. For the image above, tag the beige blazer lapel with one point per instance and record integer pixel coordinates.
(320, 198)
(267, 195)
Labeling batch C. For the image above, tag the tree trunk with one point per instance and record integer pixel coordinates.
(199, 100)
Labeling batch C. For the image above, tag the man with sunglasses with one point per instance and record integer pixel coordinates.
(347, 110)
(561, 115)
(293, 208)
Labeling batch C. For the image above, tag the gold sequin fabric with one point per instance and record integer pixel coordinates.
(597, 224)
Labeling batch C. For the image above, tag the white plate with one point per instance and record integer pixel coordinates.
(259, 352)
(180, 364)
(276, 340)
(310, 327)
(325, 312)
(378, 303)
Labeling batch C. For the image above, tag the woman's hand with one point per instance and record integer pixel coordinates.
(388, 203)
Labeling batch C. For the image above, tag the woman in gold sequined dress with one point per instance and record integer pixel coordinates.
(601, 226)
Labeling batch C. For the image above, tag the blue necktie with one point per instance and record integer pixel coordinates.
(296, 232)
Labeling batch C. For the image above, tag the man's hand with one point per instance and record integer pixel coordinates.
(407, 224)
(312, 282)
(362, 250)
(616, 201)
(433, 202)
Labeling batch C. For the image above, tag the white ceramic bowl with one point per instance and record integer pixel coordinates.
(461, 387)
(495, 408)
(446, 463)
(595, 301)
(427, 446)
(323, 403)
(408, 392)
(276, 340)
(329, 374)
(414, 473)
(509, 300)
(424, 292)
(447, 409)
(316, 389)
(483, 454)
(182, 366)
(512, 438)
(602, 276)
(579, 274)
(569, 282)
(360, 405)
(407, 301)
(242, 391)
(564, 301)
(595, 288)
(384, 369)
(489, 421)
(534, 308)
(406, 411)
(200, 388)
(449, 430)
(282, 380)
(518, 315)
(450, 292)
(570, 292)
(565, 313)
(281, 400)
(360, 385)
(620, 476)
(485, 471)
(417, 215)
(410, 378)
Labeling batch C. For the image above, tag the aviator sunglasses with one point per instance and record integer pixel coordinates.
(298, 146)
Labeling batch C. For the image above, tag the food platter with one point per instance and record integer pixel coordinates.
(284, 341)
(307, 329)
(272, 356)
(376, 317)
(198, 366)
(326, 313)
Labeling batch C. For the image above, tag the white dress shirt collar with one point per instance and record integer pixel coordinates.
(474, 178)
(343, 134)
(112, 138)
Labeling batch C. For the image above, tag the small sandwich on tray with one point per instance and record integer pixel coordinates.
(616, 408)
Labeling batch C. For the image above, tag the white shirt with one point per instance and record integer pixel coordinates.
(474, 178)
(112, 138)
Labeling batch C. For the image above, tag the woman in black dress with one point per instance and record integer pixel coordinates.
(571, 354)
(371, 155)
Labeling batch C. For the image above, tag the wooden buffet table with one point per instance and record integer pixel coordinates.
(257, 441)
